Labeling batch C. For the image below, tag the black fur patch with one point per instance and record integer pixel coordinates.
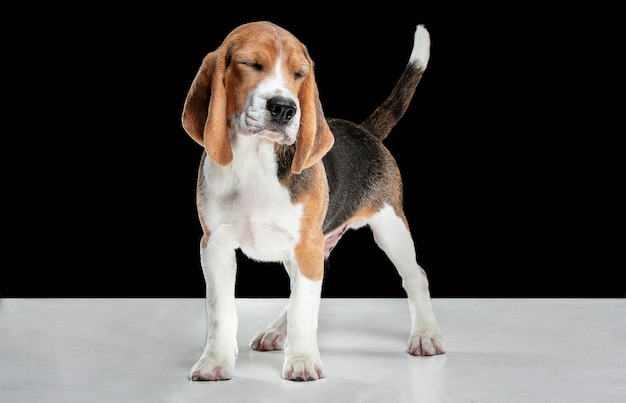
(354, 167)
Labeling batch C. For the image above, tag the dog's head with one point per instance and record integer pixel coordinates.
(259, 82)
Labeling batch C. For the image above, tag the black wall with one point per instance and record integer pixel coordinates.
(509, 160)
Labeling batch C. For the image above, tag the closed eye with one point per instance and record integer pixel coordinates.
(254, 65)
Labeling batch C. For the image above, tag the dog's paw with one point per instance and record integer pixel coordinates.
(426, 343)
(269, 340)
(303, 368)
(211, 369)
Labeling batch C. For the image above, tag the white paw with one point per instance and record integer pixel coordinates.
(208, 368)
(426, 343)
(270, 340)
(303, 368)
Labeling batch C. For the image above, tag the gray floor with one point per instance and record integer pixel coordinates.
(141, 350)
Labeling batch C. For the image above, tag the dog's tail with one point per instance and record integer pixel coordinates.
(385, 117)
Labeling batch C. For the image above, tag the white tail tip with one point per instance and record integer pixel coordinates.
(421, 47)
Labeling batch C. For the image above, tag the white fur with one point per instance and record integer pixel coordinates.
(421, 47)
(302, 357)
(247, 198)
(299, 320)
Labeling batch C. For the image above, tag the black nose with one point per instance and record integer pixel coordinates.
(282, 109)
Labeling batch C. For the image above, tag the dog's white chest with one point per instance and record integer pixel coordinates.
(246, 203)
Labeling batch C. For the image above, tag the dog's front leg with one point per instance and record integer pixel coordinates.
(302, 357)
(219, 266)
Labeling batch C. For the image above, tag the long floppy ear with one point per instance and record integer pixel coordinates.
(315, 137)
(204, 113)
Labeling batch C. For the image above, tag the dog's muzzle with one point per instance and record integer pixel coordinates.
(276, 119)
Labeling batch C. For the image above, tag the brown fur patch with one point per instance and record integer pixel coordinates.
(309, 252)
(199, 203)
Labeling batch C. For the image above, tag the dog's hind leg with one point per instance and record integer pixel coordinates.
(273, 336)
(392, 235)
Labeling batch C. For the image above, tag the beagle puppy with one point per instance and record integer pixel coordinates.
(281, 182)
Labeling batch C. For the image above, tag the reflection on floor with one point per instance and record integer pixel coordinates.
(141, 350)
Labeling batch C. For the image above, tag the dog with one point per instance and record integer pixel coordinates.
(281, 182)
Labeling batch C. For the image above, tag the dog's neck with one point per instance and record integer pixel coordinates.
(253, 158)
(258, 160)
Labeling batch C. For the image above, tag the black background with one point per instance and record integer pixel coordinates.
(510, 160)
